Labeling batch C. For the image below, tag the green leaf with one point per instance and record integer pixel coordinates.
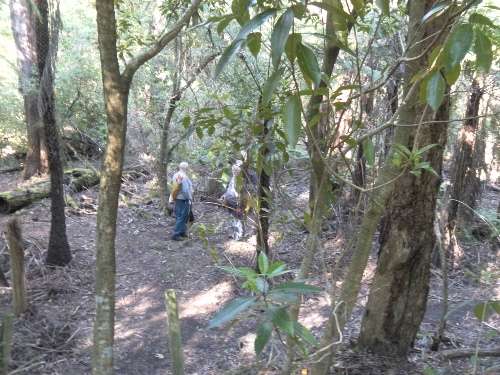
(255, 22)
(452, 77)
(304, 334)
(224, 22)
(383, 5)
(307, 219)
(270, 86)
(308, 63)
(277, 269)
(359, 7)
(457, 46)
(483, 50)
(254, 43)
(227, 56)
(243, 271)
(292, 120)
(482, 311)
(280, 34)
(482, 20)
(495, 305)
(336, 9)
(349, 140)
(291, 46)
(264, 333)
(231, 310)
(437, 10)
(369, 150)
(297, 287)
(263, 263)
(279, 317)
(283, 297)
(262, 285)
(435, 90)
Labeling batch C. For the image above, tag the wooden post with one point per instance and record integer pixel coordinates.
(14, 239)
(5, 341)
(174, 333)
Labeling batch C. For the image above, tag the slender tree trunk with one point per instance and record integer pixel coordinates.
(419, 38)
(59, 253)
(116, 87)
(398, 295)
(263, 188)
(24, 21)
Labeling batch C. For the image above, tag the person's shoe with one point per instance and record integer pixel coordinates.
(177, 239)
(183, 235)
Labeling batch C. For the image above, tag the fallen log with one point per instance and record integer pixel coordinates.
(467, 352)
(77, 179)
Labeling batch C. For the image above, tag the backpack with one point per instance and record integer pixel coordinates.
(176, 187)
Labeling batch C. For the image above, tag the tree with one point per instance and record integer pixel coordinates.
(24, 18)
(116, 87)
(58, 253)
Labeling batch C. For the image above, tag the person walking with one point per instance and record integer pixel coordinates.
(182, 202)
(231, 199)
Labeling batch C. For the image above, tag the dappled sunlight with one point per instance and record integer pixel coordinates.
(207, 301)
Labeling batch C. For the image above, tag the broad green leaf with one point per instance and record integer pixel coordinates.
(437, 10)
(359, 7)
(291, 46)
(369, 150)
(315, 119)
(308, 63)
(304, 334)
(199, 132)
(224, 22)
(283, 297)
(292, 121)
(254, 43)
(452, 77)
(264, 333)
(262, 285)
(425, 149)
(227, 56)
(279, 317)
(255, 22)
(239, 8)
(383, 5)
(483, 50)
(263, 263)
(277, 269)
(435, 90)
(301, 345)
(296, 287)
(349, 140)
(495, 305)
(336, 43)
(270, 86)
(436, 57)
(231, 310)
(335, 8)
(280, 35)
(307, 219)
(482, 20)
(457, 46)
(482, 311)
(243, 271)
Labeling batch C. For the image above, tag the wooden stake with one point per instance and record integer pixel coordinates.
(174, 333)
(14, 239)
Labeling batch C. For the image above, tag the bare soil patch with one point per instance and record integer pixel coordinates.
(56, 336)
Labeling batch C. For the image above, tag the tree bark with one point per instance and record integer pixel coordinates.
(406, 114)
(19, 293)
(23, 20)
(398, 294)
(58, 252)
(116, 87)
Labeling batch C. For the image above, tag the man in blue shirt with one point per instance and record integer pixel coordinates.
(182, 202)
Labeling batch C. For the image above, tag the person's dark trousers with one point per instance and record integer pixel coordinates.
(181, 214)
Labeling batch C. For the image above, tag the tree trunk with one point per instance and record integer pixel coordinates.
(406, 114)
(58, 253)
(24, 21)
(398, 295)
(19, 293)
(465, 182)
(116, 87)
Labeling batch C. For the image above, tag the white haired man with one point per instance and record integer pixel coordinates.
(182, 201)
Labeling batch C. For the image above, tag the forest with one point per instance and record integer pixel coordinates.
(365, 134)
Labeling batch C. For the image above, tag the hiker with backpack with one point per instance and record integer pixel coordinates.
(182, 195)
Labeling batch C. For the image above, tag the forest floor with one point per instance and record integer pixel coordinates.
(55, 337)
